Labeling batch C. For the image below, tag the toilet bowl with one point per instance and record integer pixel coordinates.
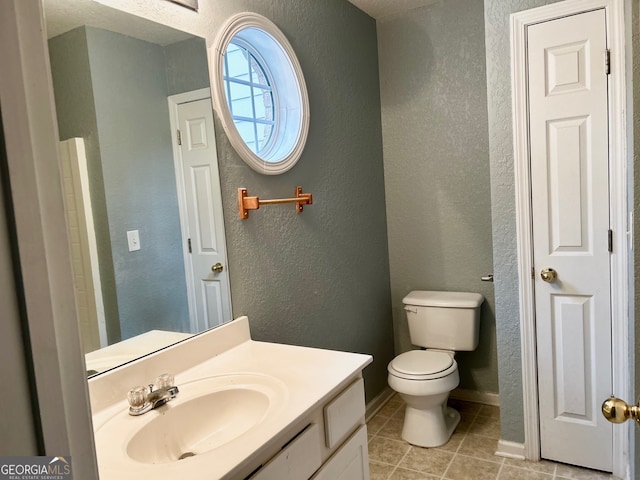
(443, 322)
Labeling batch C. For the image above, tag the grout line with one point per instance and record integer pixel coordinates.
(444, 474)
(500, 469)
(399, 462)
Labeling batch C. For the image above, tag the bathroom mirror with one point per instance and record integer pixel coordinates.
(122, 86)
(260, 93)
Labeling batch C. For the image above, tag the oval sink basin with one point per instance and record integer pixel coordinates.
(199, 425)
(206, 415)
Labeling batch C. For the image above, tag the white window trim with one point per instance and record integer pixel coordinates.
(231, 28)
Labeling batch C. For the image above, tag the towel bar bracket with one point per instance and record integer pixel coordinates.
(246, 203)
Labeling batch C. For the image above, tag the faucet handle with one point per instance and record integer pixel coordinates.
(166, 380)
(137, 396)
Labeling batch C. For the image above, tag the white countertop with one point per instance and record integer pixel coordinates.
(122, 352)
(309, 378)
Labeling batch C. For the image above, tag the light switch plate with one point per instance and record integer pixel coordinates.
(133, 237)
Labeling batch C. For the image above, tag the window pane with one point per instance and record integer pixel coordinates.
(252, 102)
(263, 103)
(239, 91)
(237, 62)
(246, 131)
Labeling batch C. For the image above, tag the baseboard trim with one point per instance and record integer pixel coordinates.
(378, 402)
(510, 450)
(476, 397)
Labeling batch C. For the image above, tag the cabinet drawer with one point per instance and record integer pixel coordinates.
(350, 462)
(296, 461)
(344, 413)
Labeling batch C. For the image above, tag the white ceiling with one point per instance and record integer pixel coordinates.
(380, 9)
(64, 15)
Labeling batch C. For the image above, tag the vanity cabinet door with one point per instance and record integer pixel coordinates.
(297, 461)
(350, 462)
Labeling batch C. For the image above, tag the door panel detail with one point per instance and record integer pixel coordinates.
(201, 178)
(197, 129)
(572, 323)
(213, 299)
(566, 67)
(568, 173)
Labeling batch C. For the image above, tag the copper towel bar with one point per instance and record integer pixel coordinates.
(253, 203)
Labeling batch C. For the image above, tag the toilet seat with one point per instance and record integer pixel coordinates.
(422, 365)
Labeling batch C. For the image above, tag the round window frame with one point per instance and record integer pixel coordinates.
(234, 26)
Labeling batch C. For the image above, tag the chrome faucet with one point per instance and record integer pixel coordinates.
(143, 399)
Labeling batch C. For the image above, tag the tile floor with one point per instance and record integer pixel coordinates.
(469, 454)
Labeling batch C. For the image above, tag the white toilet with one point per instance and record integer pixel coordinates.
(443, 323)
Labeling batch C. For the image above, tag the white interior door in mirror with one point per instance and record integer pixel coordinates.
(202, 220)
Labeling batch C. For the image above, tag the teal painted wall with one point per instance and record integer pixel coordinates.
(76, 114)
(319, 278)
(112, 91)
(436, 161)
(130, 97)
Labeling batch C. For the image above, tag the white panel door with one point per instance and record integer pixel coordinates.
(570, 206)
(209, 290)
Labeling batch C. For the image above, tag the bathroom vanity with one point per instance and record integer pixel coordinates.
(245, 410)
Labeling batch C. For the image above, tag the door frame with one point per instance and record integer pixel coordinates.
(618, 214)
(174, 102)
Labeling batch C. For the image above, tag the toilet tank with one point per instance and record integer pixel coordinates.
(443, 320)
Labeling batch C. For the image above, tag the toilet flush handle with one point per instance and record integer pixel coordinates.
(410, 309)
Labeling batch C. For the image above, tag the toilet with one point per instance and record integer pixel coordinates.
(442, 323)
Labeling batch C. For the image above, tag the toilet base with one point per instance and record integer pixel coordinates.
(431, 427)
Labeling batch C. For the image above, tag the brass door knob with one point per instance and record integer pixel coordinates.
(217, 268)
(548, 275)
(618, 411)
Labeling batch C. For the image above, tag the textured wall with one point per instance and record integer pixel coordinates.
(187, 67)
(436, 162)
(320, 278)
(130, 95)
(130, 81)
(503, 211)
(76, 115)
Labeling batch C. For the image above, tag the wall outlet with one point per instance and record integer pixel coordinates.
(133, 237)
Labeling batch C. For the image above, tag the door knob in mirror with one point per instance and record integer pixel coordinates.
(548, 275)
(217, 268)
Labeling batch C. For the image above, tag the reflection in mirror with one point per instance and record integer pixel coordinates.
(144, 208)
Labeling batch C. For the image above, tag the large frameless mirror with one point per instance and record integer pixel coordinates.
(260, 93)
(144, 208)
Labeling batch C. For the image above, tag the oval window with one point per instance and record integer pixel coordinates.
(260, 94)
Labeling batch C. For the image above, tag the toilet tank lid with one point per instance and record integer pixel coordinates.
(424, 298)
